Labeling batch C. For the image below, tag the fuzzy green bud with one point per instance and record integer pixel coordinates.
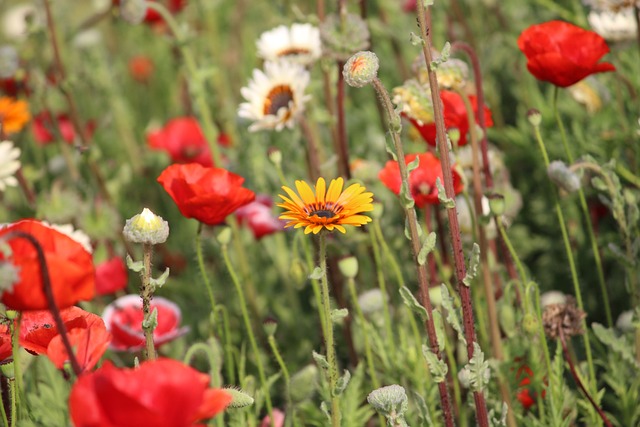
(361, 69)
(298, 271)
(348, 267)
(563, 177)
(530, 324)
(391, 399)
(239, 399)
(341, 39)
(454, 136)
(534, 117)
(270, 325)
(497, 204)
(147, 228)
(224, 236)
(274, 155)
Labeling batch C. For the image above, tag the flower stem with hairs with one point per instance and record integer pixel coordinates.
(570, 258)
(250, 333)
(424, 14)
(423, 280)
(146, 293)
(585, 214)
(203, 272)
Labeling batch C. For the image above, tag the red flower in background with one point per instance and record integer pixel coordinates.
(455, 116)
(70, 268)
(124, 316)
(44, 128)
(111, 276)
(422, 180)
(183, 140)
(259, 217)
(206, 194)
(153, 17)
(524, 395)
(6, 353)
(409, 6)
(86, 331)
(140, 68)
(563, 54)
(160, 393)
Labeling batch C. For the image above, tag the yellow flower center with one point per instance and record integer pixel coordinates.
(293, 51)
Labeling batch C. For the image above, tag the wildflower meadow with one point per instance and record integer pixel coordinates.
(319, 213)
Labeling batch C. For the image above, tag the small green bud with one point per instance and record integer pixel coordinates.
(8, 370)
(298, 271)
(507, 318)
(361, 69)
(378, 210)
(224, 236)
(534, 117)
(240, 399)
(497, 204)
(530, 324)
(270, 325)
(147, 228)
(454, 136)
(274, 155)
(348, 267)
(435, 295)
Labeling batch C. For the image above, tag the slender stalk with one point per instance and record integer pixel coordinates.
(576, 378)
(6, 382)
(312, 150)
(586, 216)
(343, 148)
(250, 333)
(196, 83)
(285, 374)
(424, 14)
(328, 336)
(48, 292)
(423, 280)
(572, 264)
(203, 271)
(13, 391)
(146, 293)
(26, 188)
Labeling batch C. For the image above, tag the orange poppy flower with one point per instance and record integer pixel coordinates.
(14, 114)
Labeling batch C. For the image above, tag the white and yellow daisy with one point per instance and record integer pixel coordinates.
(275, 97)
(299, 43)
(9, 164)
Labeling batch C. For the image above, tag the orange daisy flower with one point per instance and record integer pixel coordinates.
(14, 114)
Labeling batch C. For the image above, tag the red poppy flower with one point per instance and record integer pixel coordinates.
(563, 54)
(160, 393)
(525, 396)
(111, 276)
(153, 17)
(86, 331)
(455, 116)
(206, 194)
(14, 86)
(44, 125)
(6, 349)
(124, 320)
(70, 266)
(259, 217)
(183, 140)
(422, 180)
(140, 68)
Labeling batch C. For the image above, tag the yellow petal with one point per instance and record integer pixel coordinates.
(335, 188)
(321, 189)
(305, 193)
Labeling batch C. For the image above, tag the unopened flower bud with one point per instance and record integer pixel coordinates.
(270, 326)
(348, 267)
(454, 136)
(341, 39)
(530, 324)
(497, 204)
(563, 177)
(389, 399)
(534, 117)
(147, 228)
(133, 11)
(371, 301)
(625, 321)
(275, 155)
(224, 236)
(361, 69)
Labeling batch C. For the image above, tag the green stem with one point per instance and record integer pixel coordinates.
(383, 289)
(315, 285)
(226, 334)
(287, 377)
(247, 324)
(572, 264)
(203, 271)
(328, 336)
(215, 381)
(586, 215)
(146, 294)
(196, 83)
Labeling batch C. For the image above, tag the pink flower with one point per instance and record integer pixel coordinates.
(278, 419)
(258, 216)
(111, 276)
(123, 318)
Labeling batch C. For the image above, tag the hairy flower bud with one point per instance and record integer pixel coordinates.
(361, 69)
(534, 117)
(147, 228)
(391, 401)
(563, 177)
(341, 39)
(348, 267)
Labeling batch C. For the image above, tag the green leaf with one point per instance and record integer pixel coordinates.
(442, 196)
(391, 148)
(321, 360)
(474, 261)
(453, 316)
(478, 368)
(338, 314)
(617, 344)
(411, 302)
(342, 383)
(428, 246)
(157, 283)
(437, 367)
(135, 266)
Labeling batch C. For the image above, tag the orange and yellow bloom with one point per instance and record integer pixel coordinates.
(330, 208)
(14, 114)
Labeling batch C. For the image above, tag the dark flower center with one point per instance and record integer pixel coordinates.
(293, 51)
(280, 96)
(323, 213)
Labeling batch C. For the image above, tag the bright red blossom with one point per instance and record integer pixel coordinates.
(206, 194)
(153, 17)
(563, 54)
(455, 116)
(111, 276)
(183, 140)
(86, 331)
(44, 128)
(70, 268)
(160, 393)
(124, 317)
(422, 180)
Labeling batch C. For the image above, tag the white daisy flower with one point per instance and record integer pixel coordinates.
(77, 235)
(299, 43)
(275, 97)
(18, 20)
(9, 164)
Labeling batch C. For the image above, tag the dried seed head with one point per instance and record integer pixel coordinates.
(563, 319)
